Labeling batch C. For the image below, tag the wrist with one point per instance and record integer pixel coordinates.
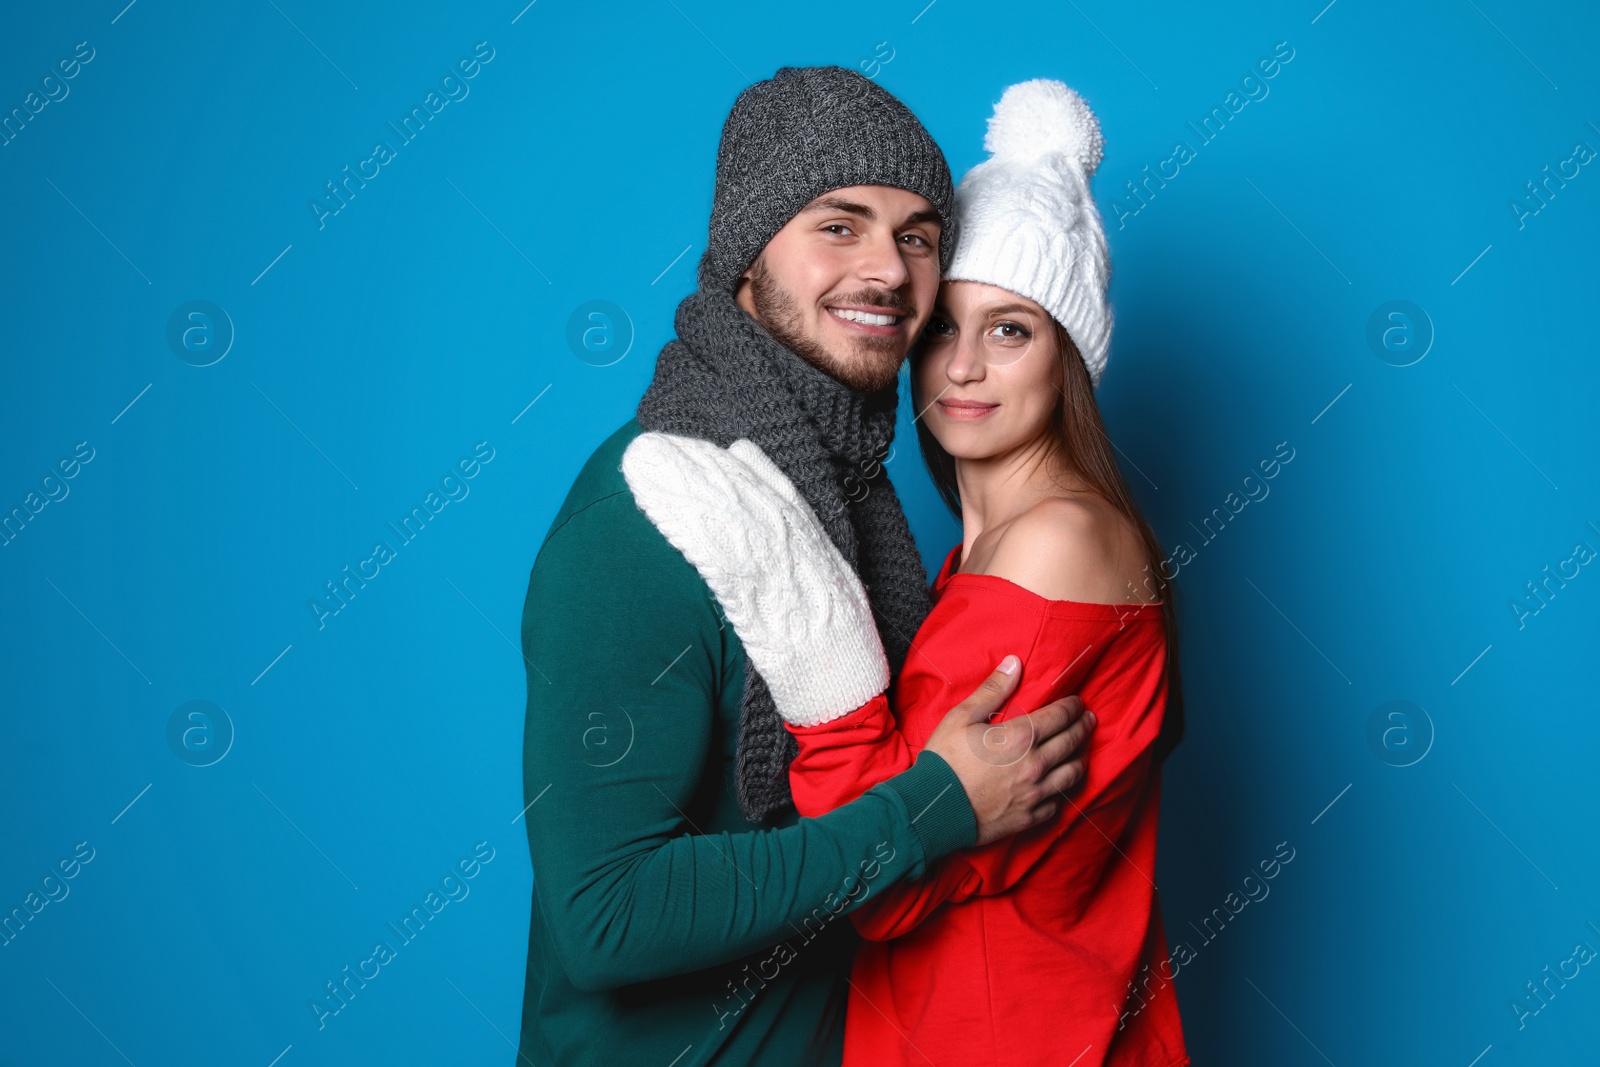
(942, 817)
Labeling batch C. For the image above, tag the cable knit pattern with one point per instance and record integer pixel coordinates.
(724, 378)
(1027, 221)
(736, 517)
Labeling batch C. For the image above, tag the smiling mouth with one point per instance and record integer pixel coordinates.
(866, 318)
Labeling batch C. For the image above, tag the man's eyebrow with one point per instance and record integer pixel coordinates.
(852, 207)
(839, 203)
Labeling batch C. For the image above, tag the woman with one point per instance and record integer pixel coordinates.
(1046, 947)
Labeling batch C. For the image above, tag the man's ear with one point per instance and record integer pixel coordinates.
(741, 294)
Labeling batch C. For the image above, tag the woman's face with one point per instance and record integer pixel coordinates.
(986, 375)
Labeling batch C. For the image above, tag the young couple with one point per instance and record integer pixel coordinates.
(784, 802)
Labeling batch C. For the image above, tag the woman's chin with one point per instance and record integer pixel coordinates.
(962, 442)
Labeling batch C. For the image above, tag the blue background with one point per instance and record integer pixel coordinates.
(372, 352)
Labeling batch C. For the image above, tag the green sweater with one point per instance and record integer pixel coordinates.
(667, 929)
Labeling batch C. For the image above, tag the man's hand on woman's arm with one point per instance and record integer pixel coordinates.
(628, 665)
(1014, 772)
(807, 625)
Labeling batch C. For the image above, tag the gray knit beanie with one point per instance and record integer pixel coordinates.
(795, 136)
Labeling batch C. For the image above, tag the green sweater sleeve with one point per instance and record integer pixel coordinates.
(642, 866)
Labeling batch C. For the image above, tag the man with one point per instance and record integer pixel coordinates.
(682, 913)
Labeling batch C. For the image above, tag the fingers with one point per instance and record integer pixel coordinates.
(1063, 754)
(1070, 741)
(991, 692)
(1064, 778)
(1044, 811)
(1055, 716)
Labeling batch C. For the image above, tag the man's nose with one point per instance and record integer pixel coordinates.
(882, 261)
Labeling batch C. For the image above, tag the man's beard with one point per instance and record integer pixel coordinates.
(878, 365)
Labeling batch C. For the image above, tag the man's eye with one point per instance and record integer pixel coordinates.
(837, 228)
(917, 238)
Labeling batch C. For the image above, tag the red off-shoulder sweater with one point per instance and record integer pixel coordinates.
(1046, 947)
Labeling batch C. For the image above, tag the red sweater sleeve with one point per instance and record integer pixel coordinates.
(843, 758)
(1106, 653)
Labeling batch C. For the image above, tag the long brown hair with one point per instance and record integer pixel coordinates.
(1081, 435)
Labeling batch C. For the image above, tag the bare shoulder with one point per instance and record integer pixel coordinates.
(1072, 549)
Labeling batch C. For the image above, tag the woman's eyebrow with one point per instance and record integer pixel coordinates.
(1007, 309)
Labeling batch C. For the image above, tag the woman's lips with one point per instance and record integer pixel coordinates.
(965, 409)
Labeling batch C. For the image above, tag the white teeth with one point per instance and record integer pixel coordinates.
(865, 317)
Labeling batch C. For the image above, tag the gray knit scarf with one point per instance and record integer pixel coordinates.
(724, 378)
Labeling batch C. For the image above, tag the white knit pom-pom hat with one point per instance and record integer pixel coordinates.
(1026, 221)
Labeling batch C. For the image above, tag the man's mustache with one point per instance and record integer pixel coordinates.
(883, 298)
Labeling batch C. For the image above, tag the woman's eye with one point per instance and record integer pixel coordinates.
(1010, 331)
(936, 328)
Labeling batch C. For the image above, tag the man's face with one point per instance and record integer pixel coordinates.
(849, 282)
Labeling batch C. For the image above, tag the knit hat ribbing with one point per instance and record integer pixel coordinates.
(797, 135)
(1025, 218)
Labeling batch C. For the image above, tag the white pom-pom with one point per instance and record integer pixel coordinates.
(1042, 117)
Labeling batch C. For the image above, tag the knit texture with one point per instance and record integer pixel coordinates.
(1025, 218)
(739, 520)
(724, 378)
(799, 134)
